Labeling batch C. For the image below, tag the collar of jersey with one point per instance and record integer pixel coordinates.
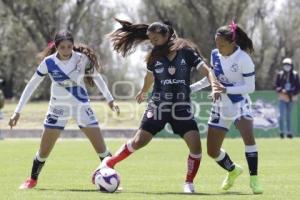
(235, 53)
(58, 60)
(61, 63)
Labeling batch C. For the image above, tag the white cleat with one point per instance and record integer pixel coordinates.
(103, 163)
(188, 188)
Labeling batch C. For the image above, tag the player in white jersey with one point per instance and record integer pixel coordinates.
(234, 69)
(69, 68)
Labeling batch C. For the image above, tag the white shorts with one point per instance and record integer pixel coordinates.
(59, 114)
(223, 114)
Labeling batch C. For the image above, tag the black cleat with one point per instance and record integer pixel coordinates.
(281, 135)
(289, 136)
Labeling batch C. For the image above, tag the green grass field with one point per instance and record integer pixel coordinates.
(155, 172)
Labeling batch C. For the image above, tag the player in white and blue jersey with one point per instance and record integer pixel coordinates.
(69, 68)
(235, 70)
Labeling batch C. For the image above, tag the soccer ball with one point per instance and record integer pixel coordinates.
(107, 180)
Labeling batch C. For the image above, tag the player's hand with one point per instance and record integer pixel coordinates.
(217, 90)
(13, 120)
(141, 96)
(177, 44)
(114, 107)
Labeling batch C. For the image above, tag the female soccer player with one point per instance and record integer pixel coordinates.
(234, 69)
(170, 98)
(69, 68)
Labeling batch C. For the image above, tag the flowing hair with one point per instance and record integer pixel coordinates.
(129, 36)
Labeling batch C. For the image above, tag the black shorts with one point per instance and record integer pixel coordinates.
(181, 121)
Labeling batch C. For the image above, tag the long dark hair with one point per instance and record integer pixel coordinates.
(82, 48)
(126, 38)
(234, 33)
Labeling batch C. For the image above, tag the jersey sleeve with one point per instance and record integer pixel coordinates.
(247, 65)
(86, 62)
(248, 73)
(101, 85)
(42, 69)
(31, 86)
(193, 58)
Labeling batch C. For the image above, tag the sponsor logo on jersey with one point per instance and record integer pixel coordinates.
(56, 74)
(172, 81)
(172, 70)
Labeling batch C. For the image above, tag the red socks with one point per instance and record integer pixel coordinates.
(193, 164)
(125, 151)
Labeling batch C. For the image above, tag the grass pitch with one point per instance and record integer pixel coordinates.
(155, 172)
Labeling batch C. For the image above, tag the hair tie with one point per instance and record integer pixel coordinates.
(233, 28)
(51, 44)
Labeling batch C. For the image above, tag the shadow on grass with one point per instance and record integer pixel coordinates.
(185, 194)
(147, 193)
(66, 190)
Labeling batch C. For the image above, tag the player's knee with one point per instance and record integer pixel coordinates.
(196, 148)
(212, 152)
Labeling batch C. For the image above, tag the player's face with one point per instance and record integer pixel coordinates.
(225, 47)
(157, 39)
(65, 49)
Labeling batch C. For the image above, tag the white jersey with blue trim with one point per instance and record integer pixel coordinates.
(67, 77)
(236, 72)
(67, 81)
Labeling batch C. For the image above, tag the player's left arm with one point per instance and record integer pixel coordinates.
(248, 72)
(101, 85)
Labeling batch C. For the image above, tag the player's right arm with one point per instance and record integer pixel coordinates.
(31, 86)
(148, 81)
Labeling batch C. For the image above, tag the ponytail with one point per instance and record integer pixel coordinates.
(93, 65)
(126, 38)
(234, 33)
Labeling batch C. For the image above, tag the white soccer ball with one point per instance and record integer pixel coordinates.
(107, 180)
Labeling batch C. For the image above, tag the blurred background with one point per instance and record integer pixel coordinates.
(27, 26)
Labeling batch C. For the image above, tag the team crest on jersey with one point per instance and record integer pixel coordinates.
(159, 70)
(172, 70)
(234, 67)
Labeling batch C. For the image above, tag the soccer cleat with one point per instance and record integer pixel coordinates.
(281, 135)
(290, 136)
(104, 163)
(255, 185)
(28, 184)
(188, 188)
(231, 176)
